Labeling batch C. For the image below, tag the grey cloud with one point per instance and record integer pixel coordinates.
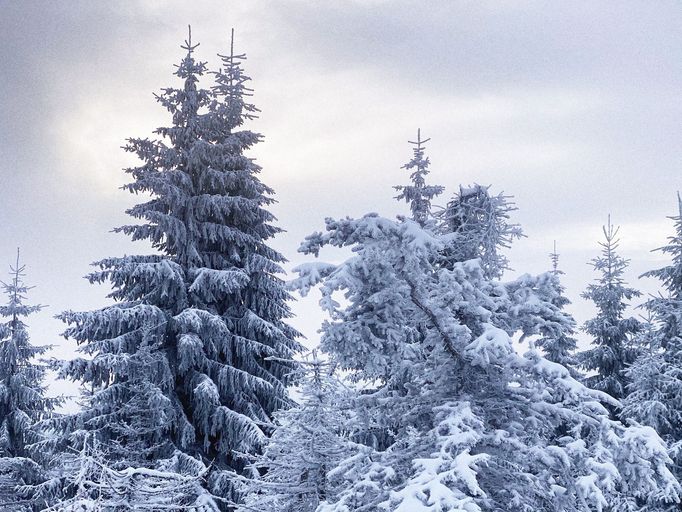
(487, 45)
(573, 107)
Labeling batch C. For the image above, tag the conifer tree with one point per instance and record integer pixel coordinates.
(306, 447)
(23, 402)
(656, 398)
(560, 346)
(649, 381)
(611, 331)
(418, 194)
(187, 364)
(465, 423)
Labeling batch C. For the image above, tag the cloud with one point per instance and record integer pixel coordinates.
(488, 45)
(573, 108)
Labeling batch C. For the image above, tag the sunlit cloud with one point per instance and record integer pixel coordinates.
(574, 110)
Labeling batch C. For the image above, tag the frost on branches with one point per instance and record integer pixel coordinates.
(649, 380)
(93, 486)
(612, 332)
(22, 401)
(305, 448)
(188, 361)
(457, 420)
(475, 225)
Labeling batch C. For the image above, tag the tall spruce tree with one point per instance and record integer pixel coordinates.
(657, 388)
(187, 364)
(23, 402)
(612, 332)
(560, 346)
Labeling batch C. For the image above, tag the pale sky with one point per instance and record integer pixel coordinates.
(575, 108)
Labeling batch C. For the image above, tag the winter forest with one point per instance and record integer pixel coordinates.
(444, 376)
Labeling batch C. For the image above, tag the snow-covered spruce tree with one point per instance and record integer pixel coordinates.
(560, 346)
(307, 444)
(188, 361)
(418, 194)
(23, 402)
(611, 331)
(657, 400)
(473, 425)
(649, 382)
(654, 396)
(464, 422)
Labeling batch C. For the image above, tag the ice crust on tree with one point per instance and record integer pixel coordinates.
(475, 225)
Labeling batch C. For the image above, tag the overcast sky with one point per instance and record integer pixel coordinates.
(575, 108)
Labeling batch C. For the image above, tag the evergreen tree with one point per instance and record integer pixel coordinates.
(612, 333)
(306, 446)
(187, 364)
(657, 388)
(465, 423)
(560, 346)
(22, 399)
(649, 380)
(418, 194)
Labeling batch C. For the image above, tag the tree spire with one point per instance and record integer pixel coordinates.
(554, 257)
(231, 44)
(418, 194)
(418, 143)
(17, 272)
(187, 45)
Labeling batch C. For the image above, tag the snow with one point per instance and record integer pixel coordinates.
(493, 347)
